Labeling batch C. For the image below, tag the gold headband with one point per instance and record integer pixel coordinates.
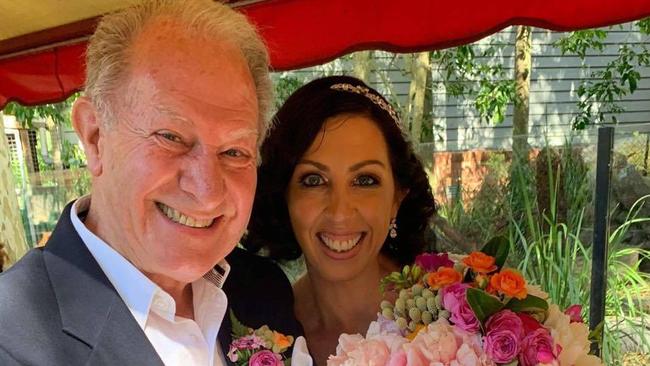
(374, 98)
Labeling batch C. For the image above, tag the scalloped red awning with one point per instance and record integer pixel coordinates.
(301, 33)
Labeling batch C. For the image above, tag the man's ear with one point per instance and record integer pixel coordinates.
(86, 123)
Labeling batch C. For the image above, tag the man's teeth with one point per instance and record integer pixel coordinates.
(340, 245)
(178, 217)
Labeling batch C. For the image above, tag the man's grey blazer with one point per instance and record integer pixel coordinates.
(57, 307)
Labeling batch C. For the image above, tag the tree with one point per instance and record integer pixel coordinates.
(600, 94)
(11, 230)
(55, 115)
(419, 67)
(362, 64)
(523, 69)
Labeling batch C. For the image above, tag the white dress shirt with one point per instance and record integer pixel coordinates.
(177, 340)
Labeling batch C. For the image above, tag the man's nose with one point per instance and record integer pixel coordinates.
(203, 179)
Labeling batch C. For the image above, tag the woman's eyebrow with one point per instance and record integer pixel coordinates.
(318, 165)
(361, 164)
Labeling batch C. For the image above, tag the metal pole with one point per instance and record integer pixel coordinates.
(601, 231)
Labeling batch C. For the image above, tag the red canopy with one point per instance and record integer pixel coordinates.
(301, 33)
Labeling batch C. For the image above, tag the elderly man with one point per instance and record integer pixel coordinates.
(175, 107)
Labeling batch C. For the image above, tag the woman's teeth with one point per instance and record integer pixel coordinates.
(179, 218)
(340, 245)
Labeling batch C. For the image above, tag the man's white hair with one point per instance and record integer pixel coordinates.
(107, 56)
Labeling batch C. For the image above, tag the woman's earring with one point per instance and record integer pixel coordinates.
(393, 228)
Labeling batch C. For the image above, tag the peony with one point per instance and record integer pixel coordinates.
(572, 338)
(355, 350)
(431, 262)
(537, 347)
(454, 300)
(397, 359)
(444, 344)
(265, 358)
(535, 290)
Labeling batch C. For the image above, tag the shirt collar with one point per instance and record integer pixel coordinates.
(138, 292)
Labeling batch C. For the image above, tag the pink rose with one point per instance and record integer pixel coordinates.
(454, 300)
(430, 262)
(502, 345)
(265, 358)
(575, 313)
(537, 347)
(506, 320)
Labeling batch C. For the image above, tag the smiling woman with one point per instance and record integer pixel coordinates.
(339, 183)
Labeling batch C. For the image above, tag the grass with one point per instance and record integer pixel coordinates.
(552, 255)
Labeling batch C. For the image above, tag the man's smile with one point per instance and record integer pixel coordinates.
(180, 218)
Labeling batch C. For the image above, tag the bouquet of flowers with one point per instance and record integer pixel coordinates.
(258, 347)
(464, 311)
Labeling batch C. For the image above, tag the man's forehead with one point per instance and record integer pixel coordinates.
(167, 42)
(166, 59)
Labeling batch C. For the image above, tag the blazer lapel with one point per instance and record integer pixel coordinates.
(90, 307)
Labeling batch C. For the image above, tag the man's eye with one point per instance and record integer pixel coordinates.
(365, 180)
(234, 153)
(312, 180)
(170, 136)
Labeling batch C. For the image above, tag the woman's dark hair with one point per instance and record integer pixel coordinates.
(296, 126)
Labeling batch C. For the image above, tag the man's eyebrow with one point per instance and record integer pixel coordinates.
(243, 133)
(318, 165)
(172, 114)
(361, 164)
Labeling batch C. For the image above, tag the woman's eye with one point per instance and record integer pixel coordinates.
(312, 180)
(365, 180)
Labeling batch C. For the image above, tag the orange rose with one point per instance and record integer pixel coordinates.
(444, 276)
(281, 340)
(480, 262)
(510, 283)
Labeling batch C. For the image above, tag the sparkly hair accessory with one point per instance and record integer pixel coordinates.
(374, 98)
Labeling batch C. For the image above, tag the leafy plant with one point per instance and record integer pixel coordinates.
(580, 42)
(553, 256)
(481, 213)
(72, 156)
(27, 114)
(285, 85)
(600, 94)
(465, 74)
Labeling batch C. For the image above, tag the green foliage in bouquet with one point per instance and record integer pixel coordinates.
(396, 281)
